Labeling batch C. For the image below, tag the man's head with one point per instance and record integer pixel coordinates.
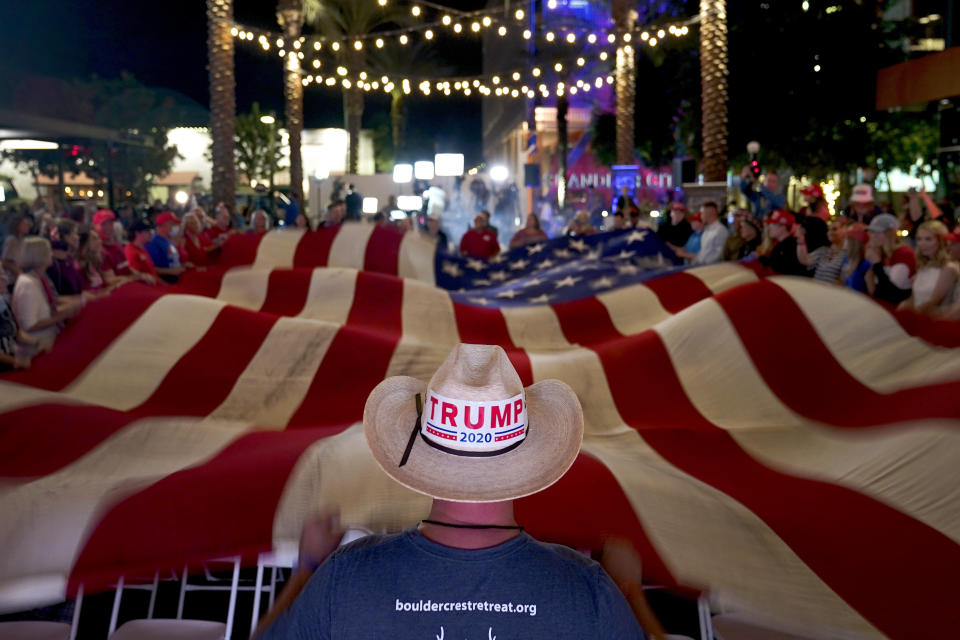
(223, 217)
(473, 433)
(486, 217)
(102, 223)
(336, 211)
(260, 221)
(166, 223)
(883, 230)
(678, 211)
(480, 221)
(709, 211)
(811, 193)
(819, 208)
(696, 222)
(861, 200)
(780, 224)
(140, 232)
(772, 181)
(619, 220)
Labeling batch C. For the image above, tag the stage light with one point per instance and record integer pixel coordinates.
(370, 205)
(402, 173)
(410, 203)
(499, 173)
(423, 170)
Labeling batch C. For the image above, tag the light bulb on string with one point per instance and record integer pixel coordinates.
(571, 38)
(317, 45)
(495, 79)
(536, 72)
(661, 33)
(603, 55)
(515, 76)
(296, 44)
(358, 45)
(457, 28)
(558, 67)
(592, 38)
(316, 64)
(550, 36)
(428, 34)
(300, 54)
(487, 21)
(466, 91)
(282, 53)
(446, 20)
(611, 38)
(598, 83)
(652, 42)
(335, 46)
(341, 71)
(581, 62)
(346, 83)
(526, 34)
(475, 27)
(609, 79)
(573, 91)
(502, 31)
(551, 4)
(234, 32)
(627, 37)
(476, 83)
(519, 14)
(415, 10)
(382, 3)
(379, 43)
(403, 38)
(363, 75)
(279, 43)
(644, 36)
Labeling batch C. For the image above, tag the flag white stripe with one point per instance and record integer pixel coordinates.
(535, 327)
(349, 248)
(277, 248)
(149, 347)
(244, 287)
(416, 258)
(17, 396)
(633, 309)
(330, 295)
(722, 276)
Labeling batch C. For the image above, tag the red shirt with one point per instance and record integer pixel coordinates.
(195, 251)
(903, 255)
(214, 232)
(479, 244)
(139, 259)
(114, 259)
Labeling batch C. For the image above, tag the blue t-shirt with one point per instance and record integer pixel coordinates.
(693, 242)
(406, 586)
(163, 252)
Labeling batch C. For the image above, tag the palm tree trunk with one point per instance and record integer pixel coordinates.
(713, 80)
(397, 122)
(626, 84)
(563, 106)
(222, 100)
(353, 109)
(290, 17)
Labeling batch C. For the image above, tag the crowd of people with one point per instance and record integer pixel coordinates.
(53, 261)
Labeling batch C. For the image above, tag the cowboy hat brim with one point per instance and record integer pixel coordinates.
(554, 435)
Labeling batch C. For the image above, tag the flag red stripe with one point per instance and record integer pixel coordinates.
(383, 250)
(569, 512)
(287, 291)
(358, 356)
(44, 438)
(940, 333)
(585, 321)
(677, 291)
(479, 325)
(786, 349)
(86, 337)
(204, 283)
(240, 249)
(313, 250)
(857, 549)
(203, 377)
(185, 517)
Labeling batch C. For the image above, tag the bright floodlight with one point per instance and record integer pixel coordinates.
(499, 173)
(753, 147)
(423, 170)
(267, 119)
(402, 173)
(322, 172)
(370, 205)
(410, 203)
(448, 164)
(27, 145)
(181, 197)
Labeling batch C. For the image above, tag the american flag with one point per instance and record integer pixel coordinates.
(789, 446)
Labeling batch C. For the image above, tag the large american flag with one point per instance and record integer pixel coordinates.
(790, 446)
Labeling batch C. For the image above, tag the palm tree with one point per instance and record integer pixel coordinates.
(624, 18)
(349, 20)
(222, 99)
(713, 79)
(290, 18)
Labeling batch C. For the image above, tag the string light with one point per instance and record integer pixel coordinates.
(558, 67)
(457, 28)
(571, 38)
(357, 45)
(515, 76)
(502, 31)
(550, 36)
(487, 21)
(415, 10)
(592, 38)
(603, 55)
(446, 20)
(611, 38)
(404, 39)
(335, 46)
(475, 27)
(379, 43)
(382, 3)
(317, 45)
(626, 37)
(653, 42)
(581, 62)
(297, 44)
(526, 34)
(519, 14)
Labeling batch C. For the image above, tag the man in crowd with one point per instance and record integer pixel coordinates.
(468, 570)
(763, 197)
(675, 229)
(335, 213)
(487, 225)
(135, 251)
(354, 203)
(782, 258)
(162, 250)
(862, 208)
(435, 230)
(479, 241)
(114, 263)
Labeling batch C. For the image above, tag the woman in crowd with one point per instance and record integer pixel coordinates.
(137, 256)
(35, 304)
(301, 222)
(15, 343)
(892, 263)
(64, 271)
(751, 236)
(19, 229)
(196, 246)
(529, 234)
(815, 250)
(854, 268)
(259, 222)
(936, 272)
(580, 225)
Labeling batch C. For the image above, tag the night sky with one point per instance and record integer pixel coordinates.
(164, 45)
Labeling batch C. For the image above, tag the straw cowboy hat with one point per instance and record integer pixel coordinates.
(474, 433)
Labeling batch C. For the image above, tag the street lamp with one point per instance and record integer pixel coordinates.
(499, 173)
(268, 119)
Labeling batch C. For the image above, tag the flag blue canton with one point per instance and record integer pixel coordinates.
(558, 270)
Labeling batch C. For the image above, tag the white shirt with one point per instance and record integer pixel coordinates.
(30, 306)
(711, 243)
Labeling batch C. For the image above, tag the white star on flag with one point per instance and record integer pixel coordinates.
(476, 265)
(533, 282)
(497, 259)
(540, 299)
(602, 283)
(481, 282)
(546, 264)
(478, 300)
(499, 276)
(569, 281)
(452, 268)
(562, 253)
(578, 244)
(508, 293)
(593, 255)
(628, 269)
(636, 236)
(519, 264)
(535, 248)
(626, 255)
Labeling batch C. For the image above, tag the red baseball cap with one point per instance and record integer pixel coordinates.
(781, 216)
(167, 216)
(813, 190)
(103, 215)
(696, 217)
(953, 237)
(857, 231)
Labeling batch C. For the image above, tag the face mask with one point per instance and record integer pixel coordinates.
(174, 232)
